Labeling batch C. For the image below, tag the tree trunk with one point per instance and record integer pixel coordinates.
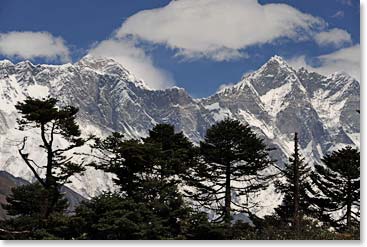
(349, 204)
(228, 199)
(296, 215)
(50, 185)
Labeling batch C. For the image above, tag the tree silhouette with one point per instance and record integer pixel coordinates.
(230, 166)
(52, 122)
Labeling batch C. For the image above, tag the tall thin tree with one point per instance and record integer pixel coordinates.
(294, 186)
(51, 121)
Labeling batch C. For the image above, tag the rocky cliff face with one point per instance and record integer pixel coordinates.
(276, 101)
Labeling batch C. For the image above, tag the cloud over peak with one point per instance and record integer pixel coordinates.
(135, 59)
(218, 29)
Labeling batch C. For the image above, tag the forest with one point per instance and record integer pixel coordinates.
(169, 188)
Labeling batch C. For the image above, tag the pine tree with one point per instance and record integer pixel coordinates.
(26, 207)
(295, 202)
(27, 200)
(231, 164)
(129, 160)
(338, 188)
(51, 121)
(148, 171)
(110, 216)
(174, 151)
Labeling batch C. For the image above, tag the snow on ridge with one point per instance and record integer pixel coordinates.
(339, 76)
(255, 122)
(5, 63)
(10, 94)
(38, 91)
(273, 100)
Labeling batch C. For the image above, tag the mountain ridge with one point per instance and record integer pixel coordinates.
(276, 100)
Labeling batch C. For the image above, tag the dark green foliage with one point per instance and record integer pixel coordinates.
(111, 217)
(338, 187)
(28, 200)
(149, 172)
(274, 228)
(174, 152)
(149, 168)
(295, 203)
(26, 206)
(232, 159)
(51, 121)
(129, 160)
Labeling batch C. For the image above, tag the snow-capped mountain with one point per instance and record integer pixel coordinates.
(276, 100)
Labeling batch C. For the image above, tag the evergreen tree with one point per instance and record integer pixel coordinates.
(338, 188)
(231, 164)
(51, 121)
(174, 152)
(109, 216)
(148, 172)
(295, 202)
(25, 206)
(129, 160)
(28, 200)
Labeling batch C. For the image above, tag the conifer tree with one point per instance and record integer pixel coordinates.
(338, 188)
(25, 206)
(51, 122)
(230, 166)
(295, 202)
(174, 152)
(129, 160)
(147, 171)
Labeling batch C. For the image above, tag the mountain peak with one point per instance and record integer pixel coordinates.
(5, 62)
(277, 60)
(103, 65)
(96, 62)
(25, 64)
(106, 65)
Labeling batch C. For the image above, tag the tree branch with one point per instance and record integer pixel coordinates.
(28, 163)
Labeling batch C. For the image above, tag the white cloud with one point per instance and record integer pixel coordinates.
(29, 45)
(343, 60)
(339, 14)
(135, 60)
(336, 37)
(223, 54)
(219, 29)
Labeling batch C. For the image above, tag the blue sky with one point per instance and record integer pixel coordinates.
(191, 44)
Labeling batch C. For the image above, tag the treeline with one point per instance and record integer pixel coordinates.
(168, 188)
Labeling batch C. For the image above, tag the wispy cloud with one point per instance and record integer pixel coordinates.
(30, 45)
(339, 14)
(135, 59)
(343, 60)
(336, 37)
